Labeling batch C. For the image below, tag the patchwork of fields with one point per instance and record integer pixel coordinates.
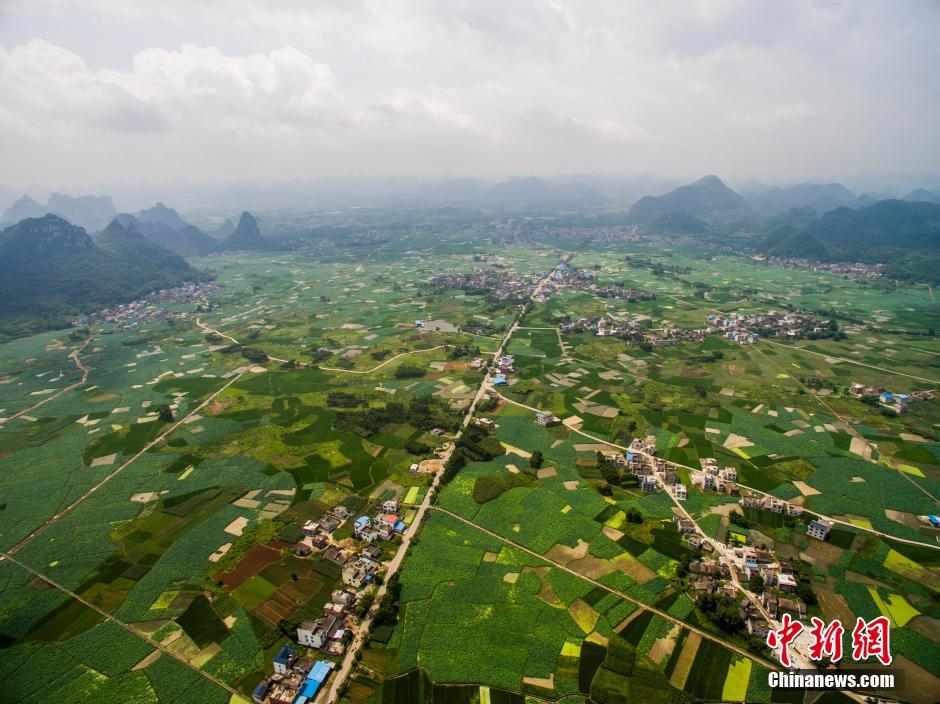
(168, 485)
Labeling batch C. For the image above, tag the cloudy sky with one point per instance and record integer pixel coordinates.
(108, 90)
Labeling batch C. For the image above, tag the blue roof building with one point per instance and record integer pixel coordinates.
(261, 691)
(934, 521)
(315, 679)
(500, 380)
(283, 658)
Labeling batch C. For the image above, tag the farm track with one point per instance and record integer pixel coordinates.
(325, 369)
(328, 695)
(236, 342)
(852, 431)
(820, 354)
(847, 424)
(611, 590)
(852, 361)
(743, 486)
(239, 697)
(376, 368)
(166, 431)
(75, 355)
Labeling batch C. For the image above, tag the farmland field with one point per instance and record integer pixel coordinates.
(157, 502)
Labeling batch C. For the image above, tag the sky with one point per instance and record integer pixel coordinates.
(114, 91)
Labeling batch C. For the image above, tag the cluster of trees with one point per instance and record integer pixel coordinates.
(475, 445)
(488, 487)
(722, 611)
(415, 447)
(387, 613)
(815, 383)
(343, 399)
(634, 516)
(610, 472)
(409, 371)
(252, 354)
(165, 413)
(655, 268)
(423, 412)
(320, 355)
(458, 351)
(479, 328)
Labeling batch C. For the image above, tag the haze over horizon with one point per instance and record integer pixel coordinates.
(103, 92)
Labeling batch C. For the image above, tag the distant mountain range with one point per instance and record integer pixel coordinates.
(819, 197)
(708, 200)
(905, 235)
(164, 226)
(247, 236)
(923, 194)
(90, 212)
(50, 269)
(536, 191)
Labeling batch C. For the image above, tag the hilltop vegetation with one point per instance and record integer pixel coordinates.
(50, 269)
(905, 235)
(165, 227)
(707, 199)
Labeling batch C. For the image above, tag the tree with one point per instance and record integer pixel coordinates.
(806, 593)
(756, 583)
(165, 413)
(536, 460)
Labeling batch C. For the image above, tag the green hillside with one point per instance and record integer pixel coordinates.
(50, 269)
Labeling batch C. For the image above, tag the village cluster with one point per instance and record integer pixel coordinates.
(730, 565)
(296, 679)
(568, 277)
(159, 305)
(896, 402)
(525, 230)
(747, 328)
(742, 328)
(851, 270)
(499, 283)
(633, 331)
(359, 558)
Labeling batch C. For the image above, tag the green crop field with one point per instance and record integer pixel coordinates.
(193, 463)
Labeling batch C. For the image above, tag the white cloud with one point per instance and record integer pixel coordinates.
(239, 88)
(50, 92)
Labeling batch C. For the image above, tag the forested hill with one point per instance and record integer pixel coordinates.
(51, 269)
(905, 235)
(707, 199)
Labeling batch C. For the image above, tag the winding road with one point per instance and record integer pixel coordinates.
(330, 694)
(879, 533)
(75, 356)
